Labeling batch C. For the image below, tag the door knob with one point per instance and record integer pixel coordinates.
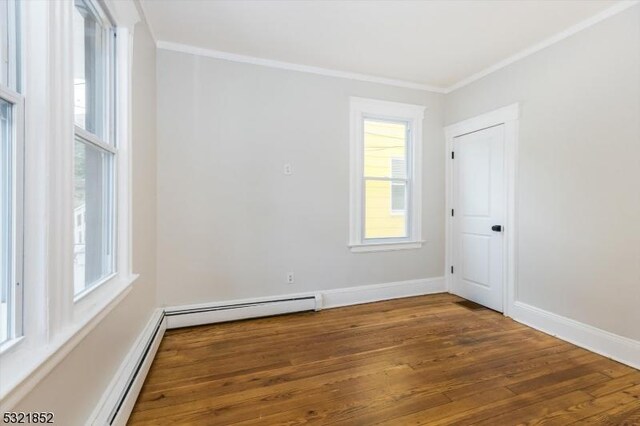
(497, 228)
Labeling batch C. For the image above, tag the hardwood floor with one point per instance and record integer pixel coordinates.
(420, 360)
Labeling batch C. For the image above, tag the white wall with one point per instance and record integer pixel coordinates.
(579, 165)
(230, 223)
(73, 388)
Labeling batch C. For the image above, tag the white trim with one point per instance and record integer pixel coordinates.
(84, 303)
(12, 97)
(619, 348)
(234, 57)
(20, 374)
(233, 311)
(124, 136)
(483, 121)
(15, 300)
(107, 142)
(323, 299)
(37, 205)
(92, 139)
(94, 287)
(378, 292)
(605, 14)
(508, 116)
(59, 180)
(413, 115)
(9, 345)
(391, 246)
(128, 380)
(169, 310)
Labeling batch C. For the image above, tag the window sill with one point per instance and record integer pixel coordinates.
(87, 291)
(9, 345)
(23, 367)
(372, 247)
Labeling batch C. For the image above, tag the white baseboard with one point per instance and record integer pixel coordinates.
(187, 316)
(378, 292)
(232, 310)
(621, 349)
(117, 402)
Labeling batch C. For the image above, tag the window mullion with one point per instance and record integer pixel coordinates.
(9, 95)
(386, 179)
(92, 139)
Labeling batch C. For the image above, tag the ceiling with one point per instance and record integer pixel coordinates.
(437, 43)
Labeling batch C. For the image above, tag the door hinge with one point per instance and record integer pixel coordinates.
(453, 155)
(453, 212)
(452, 269)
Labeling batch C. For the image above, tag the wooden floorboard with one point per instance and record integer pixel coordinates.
(422, 360)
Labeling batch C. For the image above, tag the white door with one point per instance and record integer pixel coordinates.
(478, 216)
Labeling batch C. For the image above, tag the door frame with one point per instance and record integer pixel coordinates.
(509, 117)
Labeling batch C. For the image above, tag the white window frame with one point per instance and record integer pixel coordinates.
(54, 323)
(412, 115)
(87, 304)
(109, 145)
(11, 94)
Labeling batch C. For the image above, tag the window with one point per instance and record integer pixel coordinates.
(94, 147)
(75, 173)
(11, 177)
(385, 175)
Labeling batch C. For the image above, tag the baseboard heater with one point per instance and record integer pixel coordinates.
(190, 316)
(127, 397)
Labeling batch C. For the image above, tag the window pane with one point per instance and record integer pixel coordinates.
(384, 141)
(93, 216)
(89, 71)
(398, 197)
(381, 220)
(6, 221)
(9, 44)
(4, 43)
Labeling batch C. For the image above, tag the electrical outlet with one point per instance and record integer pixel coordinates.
(288, 170)
(290, 278)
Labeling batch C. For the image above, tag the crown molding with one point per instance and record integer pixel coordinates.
(234, 57)
(605, 14)
(217, 54)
